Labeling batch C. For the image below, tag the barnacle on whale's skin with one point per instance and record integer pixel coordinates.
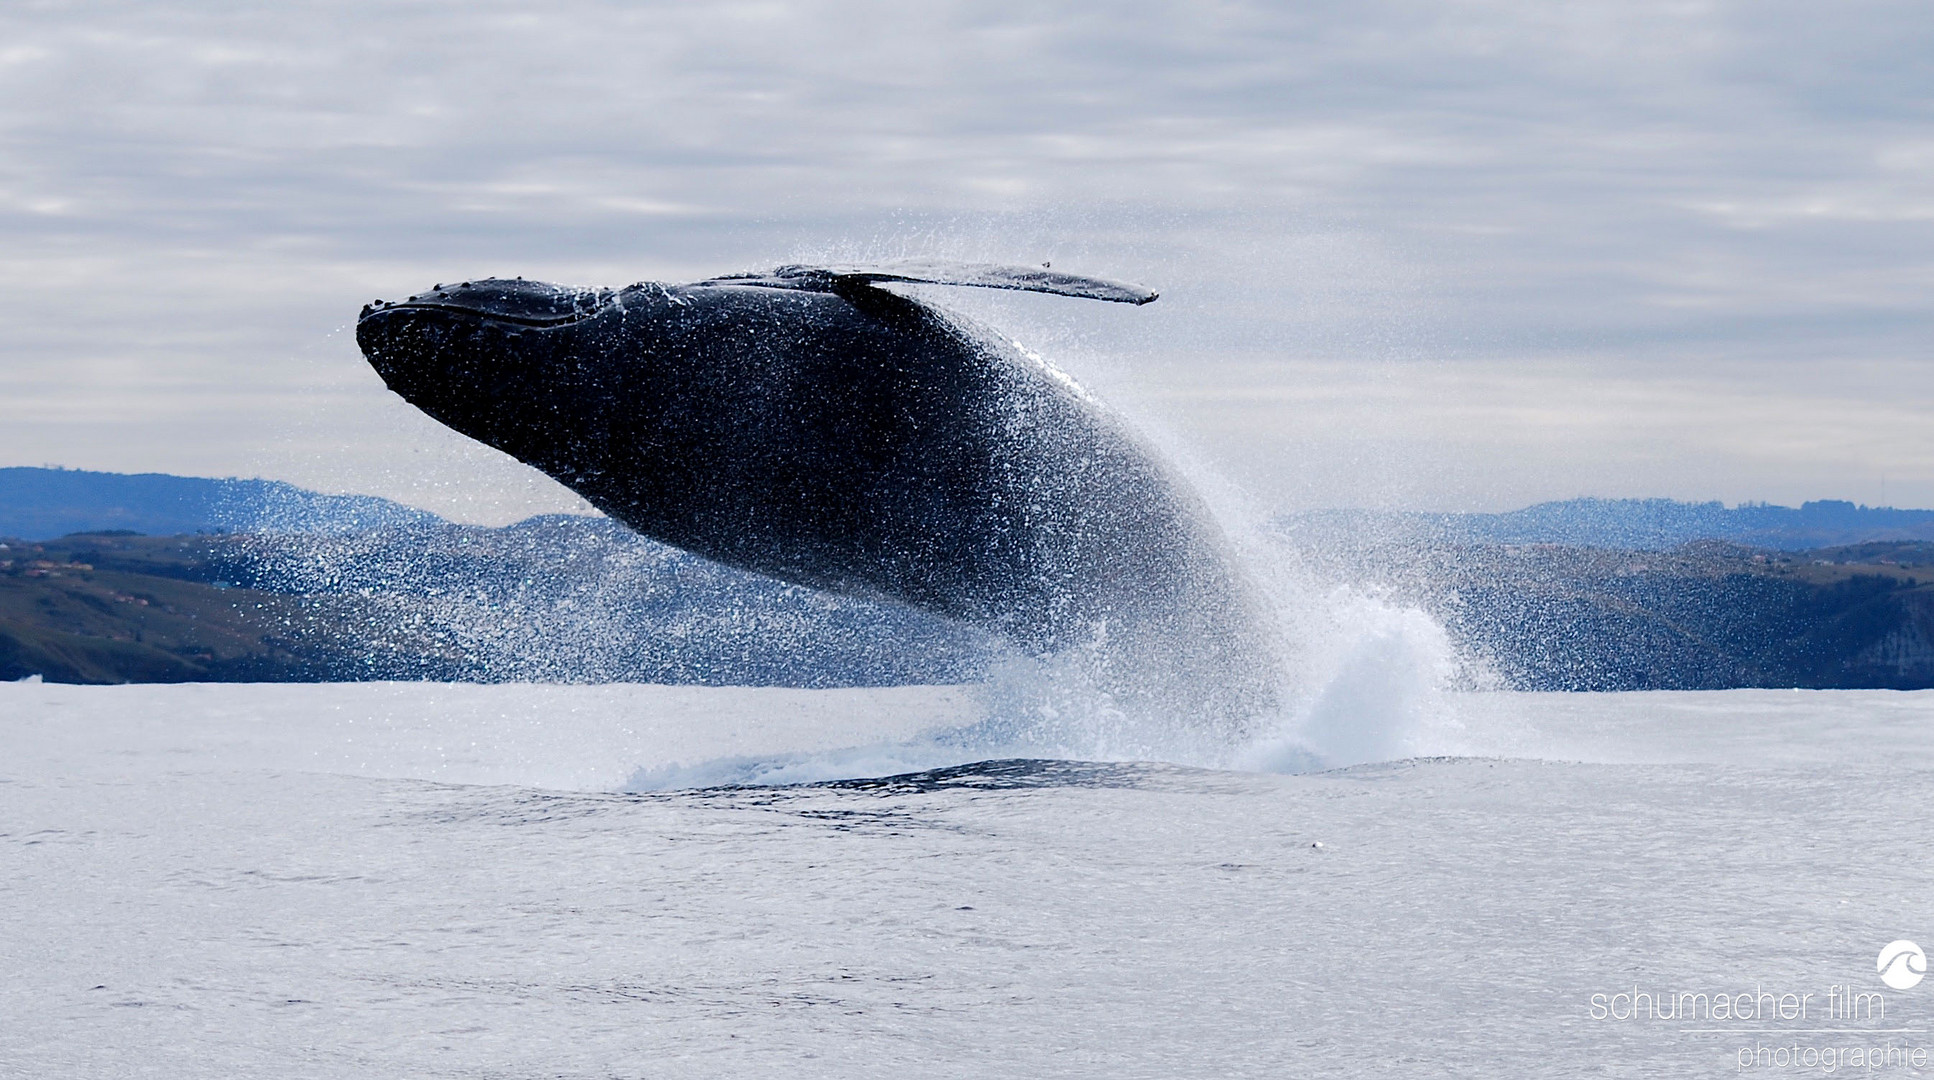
(810, 425)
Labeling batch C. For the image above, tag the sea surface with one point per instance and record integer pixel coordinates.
(426, 880)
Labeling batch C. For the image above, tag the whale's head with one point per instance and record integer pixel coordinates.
(490, 358)
(446, 340)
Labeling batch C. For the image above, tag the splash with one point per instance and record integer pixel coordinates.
(1379, 689)
(1364, 680)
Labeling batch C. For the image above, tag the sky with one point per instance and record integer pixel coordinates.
(1449, 255)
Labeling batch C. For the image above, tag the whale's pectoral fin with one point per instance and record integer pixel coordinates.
(942, 272)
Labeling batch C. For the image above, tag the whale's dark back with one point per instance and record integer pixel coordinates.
(850, 439)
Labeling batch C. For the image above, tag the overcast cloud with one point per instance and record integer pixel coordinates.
(1444, 255)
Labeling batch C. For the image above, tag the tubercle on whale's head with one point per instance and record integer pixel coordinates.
(507, 300)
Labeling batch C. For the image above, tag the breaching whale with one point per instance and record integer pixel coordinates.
(812, 426)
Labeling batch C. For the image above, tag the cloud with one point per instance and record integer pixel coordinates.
(201, 195)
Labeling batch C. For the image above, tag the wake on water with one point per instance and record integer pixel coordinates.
(1364, 681)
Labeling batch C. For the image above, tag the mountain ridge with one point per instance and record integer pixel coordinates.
(1627, 524)
(47, 503)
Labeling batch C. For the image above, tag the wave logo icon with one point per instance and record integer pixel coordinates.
(1902, 965)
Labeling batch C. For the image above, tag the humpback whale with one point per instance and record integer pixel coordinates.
(814, 426)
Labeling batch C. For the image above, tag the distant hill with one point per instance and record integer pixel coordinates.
(40, 504)
(576, 599)
(580, 599)
(1630, 524)
(270, 582)
(552, 599)
(1705, 616)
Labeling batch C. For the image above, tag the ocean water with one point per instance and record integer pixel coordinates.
(536, 881)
